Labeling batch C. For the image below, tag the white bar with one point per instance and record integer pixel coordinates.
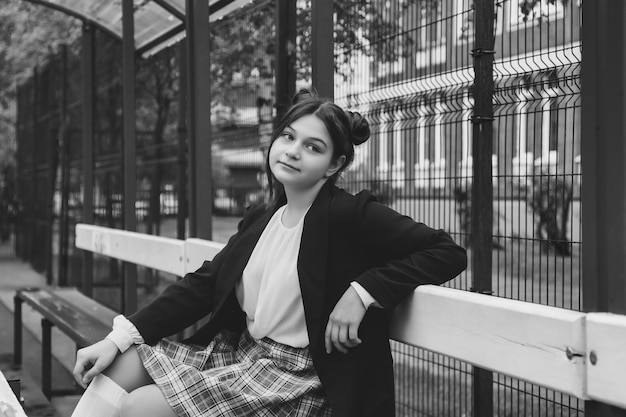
(606, 339)
(199, 250)
(523, 340)
(161, 253)
(544, 345)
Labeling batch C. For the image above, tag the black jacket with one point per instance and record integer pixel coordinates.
(345, 238)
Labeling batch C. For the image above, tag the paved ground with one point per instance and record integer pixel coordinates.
(16, 274)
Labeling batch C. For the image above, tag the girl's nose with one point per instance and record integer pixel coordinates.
(292, 153)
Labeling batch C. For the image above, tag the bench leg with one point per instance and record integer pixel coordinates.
(17, 331)
(46, 357)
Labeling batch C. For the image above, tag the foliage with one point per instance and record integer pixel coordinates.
(243, 47)
(27, 33)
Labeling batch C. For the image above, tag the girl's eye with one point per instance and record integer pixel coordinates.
(314, 148)
(287, 135)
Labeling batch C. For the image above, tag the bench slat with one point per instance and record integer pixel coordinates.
(161, 253)
(198, 251)
(87, 305)
(524, 340)
(83, 328)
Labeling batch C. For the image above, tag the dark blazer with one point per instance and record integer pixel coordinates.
(345, 238)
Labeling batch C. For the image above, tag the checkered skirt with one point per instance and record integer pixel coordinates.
(236, 376)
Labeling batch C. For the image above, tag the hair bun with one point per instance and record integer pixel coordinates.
(303, 95)
(359, 127)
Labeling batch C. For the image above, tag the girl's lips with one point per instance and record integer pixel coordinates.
(288, 166)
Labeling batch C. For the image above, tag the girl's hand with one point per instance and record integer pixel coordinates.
(342, 330)
(92, 360)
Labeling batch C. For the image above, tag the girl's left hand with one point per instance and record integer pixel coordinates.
(342, 330)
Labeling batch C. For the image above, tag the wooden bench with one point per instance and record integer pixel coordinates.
(79, 317)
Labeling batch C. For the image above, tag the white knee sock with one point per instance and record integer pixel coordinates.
(102, 398)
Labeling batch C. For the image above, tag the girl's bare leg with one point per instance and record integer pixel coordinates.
(128, 372)
(146, 401)
(107, 394)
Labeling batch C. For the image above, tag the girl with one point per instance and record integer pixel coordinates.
(299, 298)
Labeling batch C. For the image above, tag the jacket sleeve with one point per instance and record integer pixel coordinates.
(412, 253)
(188, 300)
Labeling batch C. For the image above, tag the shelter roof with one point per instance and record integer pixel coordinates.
(157, 22)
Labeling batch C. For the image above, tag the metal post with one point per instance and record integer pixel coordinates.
(32, 207)
(604, 173)
(199, 126)
(482, 186)
(46, 357)
(51, 149)
(88, 92)
(181, 175)
(129, 301)
(17, 331)
(285, 68)
(65, 178)
(322, 48)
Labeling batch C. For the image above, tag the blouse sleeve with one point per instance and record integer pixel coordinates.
(412, 253)
(124, 334)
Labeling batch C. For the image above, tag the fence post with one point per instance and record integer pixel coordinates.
(603, 154)
(181, 173)
(199, 126)
(129, 290)
(482, 185)
(88, 71)
(322, 48)
(64, 147)
(285, 55)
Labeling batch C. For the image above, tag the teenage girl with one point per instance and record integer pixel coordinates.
(299, 299)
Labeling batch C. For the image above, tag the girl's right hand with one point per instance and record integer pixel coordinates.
(92, 360)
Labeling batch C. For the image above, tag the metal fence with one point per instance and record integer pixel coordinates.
(408, 67)
(411, 74)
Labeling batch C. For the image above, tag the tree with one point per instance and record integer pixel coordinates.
(28, 34)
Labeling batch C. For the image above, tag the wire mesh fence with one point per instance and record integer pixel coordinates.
(405, 65)
(414, 81)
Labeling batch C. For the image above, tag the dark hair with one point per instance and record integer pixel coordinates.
(346, 128)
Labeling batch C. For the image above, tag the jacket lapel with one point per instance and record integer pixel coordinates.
(312, 261)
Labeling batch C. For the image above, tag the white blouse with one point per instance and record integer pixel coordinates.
(269, 290)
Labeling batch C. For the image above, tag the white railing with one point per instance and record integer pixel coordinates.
(581, 354)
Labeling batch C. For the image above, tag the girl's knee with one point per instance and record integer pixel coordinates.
(128, 372)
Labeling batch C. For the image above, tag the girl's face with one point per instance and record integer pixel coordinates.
(302, 155)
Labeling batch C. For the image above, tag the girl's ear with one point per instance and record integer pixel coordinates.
(335, 166)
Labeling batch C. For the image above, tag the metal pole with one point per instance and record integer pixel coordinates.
(604, 173)
(51, 148)
(285, 68)
(322, 48)
(129, 299)
(32, 207)
(482, 186)
(65, 183)
(181, 215)
(199, 126)
(88, 71)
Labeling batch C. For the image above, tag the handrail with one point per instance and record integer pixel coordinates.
(580, 354)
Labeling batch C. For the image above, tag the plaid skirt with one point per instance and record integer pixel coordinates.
(236, 376)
